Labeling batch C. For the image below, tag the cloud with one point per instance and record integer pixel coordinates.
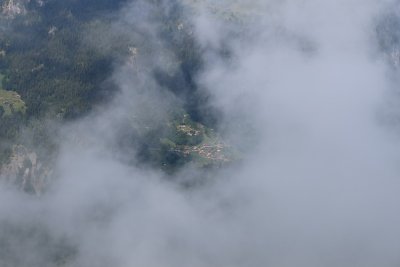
(300, 89)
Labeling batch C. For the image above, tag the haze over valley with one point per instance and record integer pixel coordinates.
(199, 133)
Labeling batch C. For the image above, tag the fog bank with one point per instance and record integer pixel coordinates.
(302, 93)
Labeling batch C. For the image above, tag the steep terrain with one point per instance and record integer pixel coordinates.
(55, 66)
(200, 133)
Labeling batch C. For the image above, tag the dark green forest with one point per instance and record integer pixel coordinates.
(58, 59)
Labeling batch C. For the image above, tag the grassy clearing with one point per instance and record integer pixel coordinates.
(10, 102)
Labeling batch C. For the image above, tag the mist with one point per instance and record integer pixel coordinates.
(302, 90)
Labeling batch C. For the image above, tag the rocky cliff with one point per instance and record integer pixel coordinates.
(26, 171)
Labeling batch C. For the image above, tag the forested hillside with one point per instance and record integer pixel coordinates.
(57, 62)
(199, 133)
